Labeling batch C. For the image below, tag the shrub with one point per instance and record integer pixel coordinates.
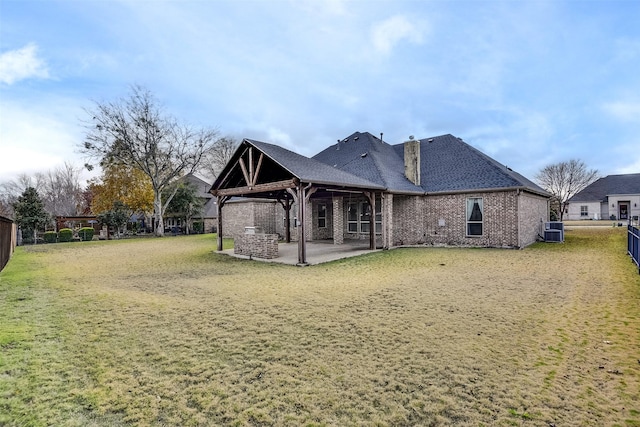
(50, 237)
(86, 234)
(65, 235)
(198, 227)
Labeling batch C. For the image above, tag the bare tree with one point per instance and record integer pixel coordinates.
(218, 156)
(61, 190)
(136, 132)
(565, 179)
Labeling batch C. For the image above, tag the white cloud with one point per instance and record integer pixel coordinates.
(624, 111)
(388, 33)
(36, 139)
(21, 64)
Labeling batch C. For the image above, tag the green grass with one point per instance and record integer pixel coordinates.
(168, 332)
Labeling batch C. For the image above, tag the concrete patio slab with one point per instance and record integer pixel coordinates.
(318, 252)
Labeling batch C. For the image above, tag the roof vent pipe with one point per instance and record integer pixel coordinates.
(412, 160)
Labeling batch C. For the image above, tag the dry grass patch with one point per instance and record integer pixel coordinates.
(166, 332)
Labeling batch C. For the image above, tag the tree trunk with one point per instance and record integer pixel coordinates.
(157, 211)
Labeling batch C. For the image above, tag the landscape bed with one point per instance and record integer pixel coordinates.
(168, 332)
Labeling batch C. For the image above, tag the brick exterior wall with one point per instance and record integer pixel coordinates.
(441, 220)
(533, 212)
(251, 213)
(257, 245)
(511, 219)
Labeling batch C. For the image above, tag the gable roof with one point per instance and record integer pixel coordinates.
(296, 166)
(311, 170)
(447, 164)
(611, 184)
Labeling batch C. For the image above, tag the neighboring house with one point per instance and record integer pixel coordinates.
(209, 213)
(434, 191)
(614, 197)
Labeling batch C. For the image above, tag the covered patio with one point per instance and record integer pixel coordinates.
(261, 170)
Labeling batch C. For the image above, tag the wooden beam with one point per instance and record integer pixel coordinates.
(286, 205)
(255, 176)
(244, 171)
(250, 183)
(259, 188)
(310, 193)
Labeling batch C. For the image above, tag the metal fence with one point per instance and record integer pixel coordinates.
(633, 244)
(7, 240)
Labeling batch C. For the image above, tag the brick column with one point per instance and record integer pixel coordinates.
(308, 221)
(338, 220)
(387, 219)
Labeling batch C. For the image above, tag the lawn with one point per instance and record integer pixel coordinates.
(167, 332)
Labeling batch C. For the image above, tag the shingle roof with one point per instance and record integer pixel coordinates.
(311, 170)
(450, 164)
(611, 184)
(365, 155)
(364, 161)
(447, 165)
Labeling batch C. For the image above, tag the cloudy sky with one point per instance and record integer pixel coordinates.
(527, 82)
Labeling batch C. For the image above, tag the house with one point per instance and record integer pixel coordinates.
(615, 197)
(209, 213)
(432, 191)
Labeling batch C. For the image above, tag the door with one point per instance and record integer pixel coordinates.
(624, 211)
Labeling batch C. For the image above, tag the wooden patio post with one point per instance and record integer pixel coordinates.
(302, 243)
(371, 197)
(287, 218)
(220, 203)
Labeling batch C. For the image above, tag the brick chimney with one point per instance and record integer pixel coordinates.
(412, 160)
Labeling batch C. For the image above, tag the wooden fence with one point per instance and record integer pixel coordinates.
(633, 244)
(7, 240)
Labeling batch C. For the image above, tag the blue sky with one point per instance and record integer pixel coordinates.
(527, 82)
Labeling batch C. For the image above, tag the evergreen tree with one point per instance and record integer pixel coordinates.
(30, 214)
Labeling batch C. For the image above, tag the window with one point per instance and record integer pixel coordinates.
(359, 215)
(584, 210)
(365, 215)
(322, 216)
(474, 216)
(352, 217)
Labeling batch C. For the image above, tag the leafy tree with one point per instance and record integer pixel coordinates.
(116, 217)
(123, 183)
(564, 180)
(30, 214)
(185, 203)
(135, 132)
